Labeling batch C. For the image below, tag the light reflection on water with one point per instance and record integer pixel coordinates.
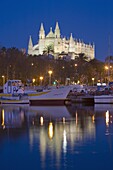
(57, 136)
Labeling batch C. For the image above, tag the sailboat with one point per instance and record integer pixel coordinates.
(108, 98)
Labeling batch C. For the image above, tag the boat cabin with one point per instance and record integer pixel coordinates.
(12, 86)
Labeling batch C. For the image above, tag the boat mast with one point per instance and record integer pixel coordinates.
(109, 46)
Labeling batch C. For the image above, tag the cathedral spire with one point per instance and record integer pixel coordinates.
(57, 26)
(30, 45)
(41, 32)
(41, 27)
(50, 34)
(71, 44)
(71, 40)
(57, 31)
(71, 37)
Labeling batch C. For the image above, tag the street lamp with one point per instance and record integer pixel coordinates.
(93, 80)
(33, 80)
(107, 71)
(3, 79)
(50, 72)
(76, 77)
(41, 78)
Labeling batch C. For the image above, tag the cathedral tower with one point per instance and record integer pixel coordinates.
(41, 39)
(71, 44)
(57, 31)
(30, 45)
(41, 32)
(60, 45)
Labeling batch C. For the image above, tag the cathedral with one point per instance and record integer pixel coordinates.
(62, 47)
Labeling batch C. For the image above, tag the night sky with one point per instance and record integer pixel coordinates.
(88, 20)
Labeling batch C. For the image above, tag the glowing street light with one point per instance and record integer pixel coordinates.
(33, 80)
(93, 80)
(3, 79)
(106, 68)
(41, 78)
(50, 72)
(108, 71)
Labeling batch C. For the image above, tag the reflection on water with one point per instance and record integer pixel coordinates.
(107, 118)
(106, 110)
(55, 131)
(11, 117)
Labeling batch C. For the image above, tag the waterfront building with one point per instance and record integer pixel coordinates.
(62, 47)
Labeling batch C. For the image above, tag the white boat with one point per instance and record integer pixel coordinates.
(16, 101)
(103, 99)
(13, 91)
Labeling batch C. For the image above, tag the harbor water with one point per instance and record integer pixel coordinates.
(77, 137)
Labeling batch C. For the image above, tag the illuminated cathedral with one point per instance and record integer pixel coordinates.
(61, 45)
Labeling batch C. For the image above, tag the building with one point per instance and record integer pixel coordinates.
(61, 46)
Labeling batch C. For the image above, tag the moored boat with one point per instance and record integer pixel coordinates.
(6, 101)
(13, 92)
(50, 97)
(103, 99)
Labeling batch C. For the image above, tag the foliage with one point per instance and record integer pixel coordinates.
(49, 49)
(14, 64)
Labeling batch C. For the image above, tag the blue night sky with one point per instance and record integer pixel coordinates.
(88, 20)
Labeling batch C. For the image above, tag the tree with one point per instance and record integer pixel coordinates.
(82, 57)
(48, 50)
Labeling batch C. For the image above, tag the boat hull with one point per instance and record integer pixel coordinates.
(104, 99)
(47, 97)
(50, 102)
(14, 101)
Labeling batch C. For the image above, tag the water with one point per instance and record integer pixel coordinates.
(78, 137)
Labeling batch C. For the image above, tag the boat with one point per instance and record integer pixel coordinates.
(11, 101)
(14, 92)
(50, 97)
(103, 99)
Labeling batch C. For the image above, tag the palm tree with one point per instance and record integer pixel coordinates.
(82, 57)
(49, 49)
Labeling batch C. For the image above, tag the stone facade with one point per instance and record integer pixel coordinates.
(61, 46)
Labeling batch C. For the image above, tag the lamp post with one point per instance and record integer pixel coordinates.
(93, 80)
(108, 70)
(41, 78)
(76, 77)
(33, 80)
(107, 73)
(3, 79)
(50, 72)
